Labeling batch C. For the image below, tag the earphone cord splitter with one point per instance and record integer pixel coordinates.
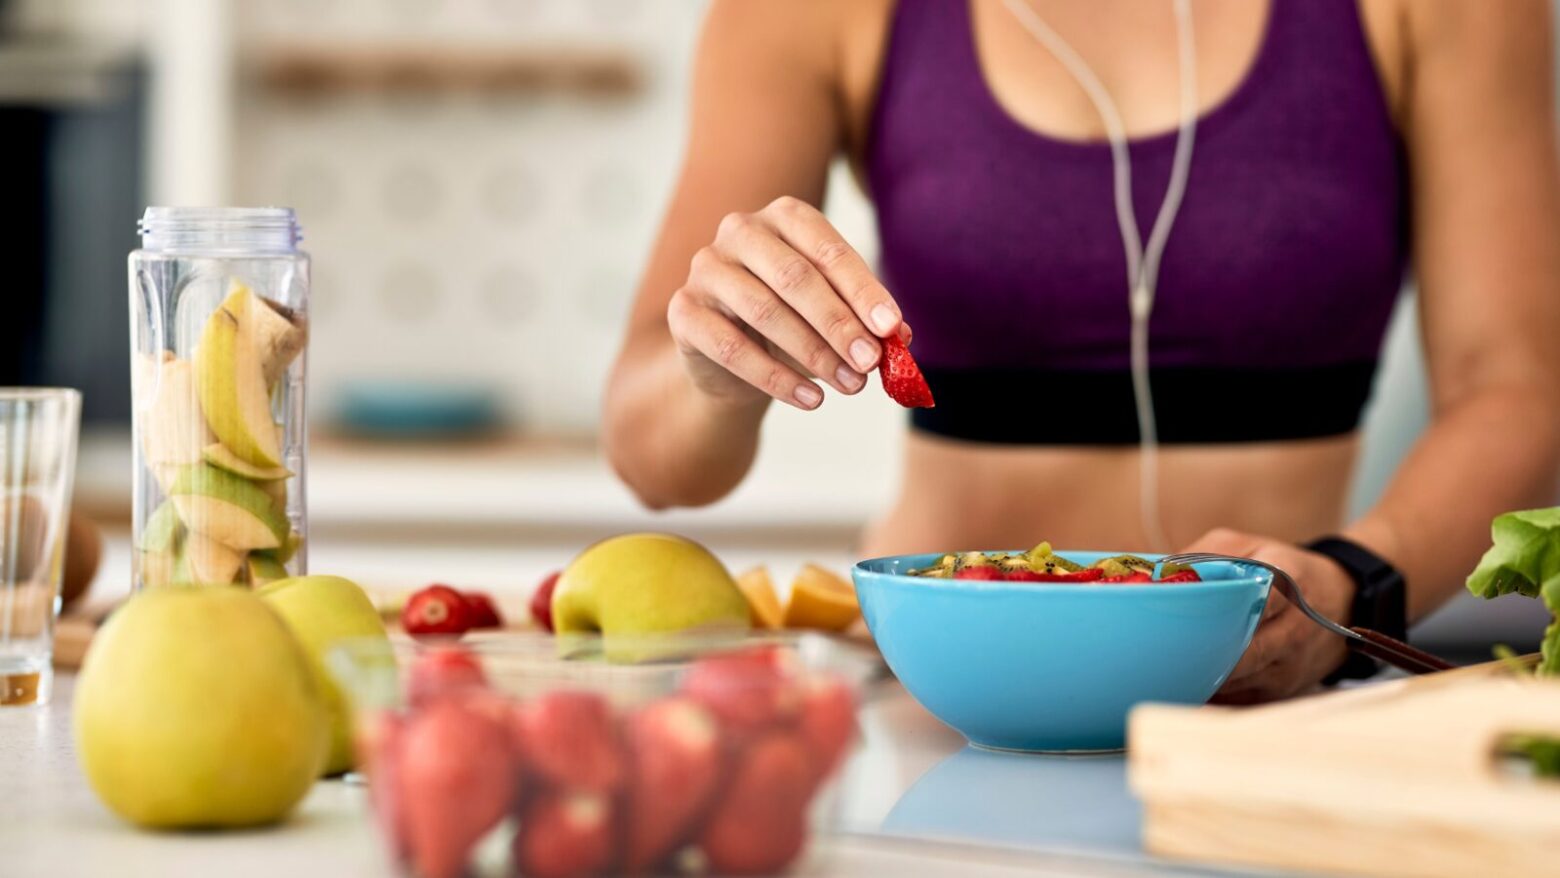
(1142, 262)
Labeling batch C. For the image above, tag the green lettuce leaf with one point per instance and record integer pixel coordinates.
(1525, 558)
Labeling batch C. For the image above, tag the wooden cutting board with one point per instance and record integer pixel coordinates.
(1398, 779)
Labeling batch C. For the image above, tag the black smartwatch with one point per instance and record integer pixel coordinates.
(1380, 600)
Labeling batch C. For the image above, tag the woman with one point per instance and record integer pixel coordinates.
(1338, 142)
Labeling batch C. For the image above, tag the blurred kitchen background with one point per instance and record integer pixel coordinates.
(479, 182)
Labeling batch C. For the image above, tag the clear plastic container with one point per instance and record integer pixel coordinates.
(218, 329)
(535, 755)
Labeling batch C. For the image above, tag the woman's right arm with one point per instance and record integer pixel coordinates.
(749, 293)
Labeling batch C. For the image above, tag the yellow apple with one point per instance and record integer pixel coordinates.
(646, 583)
(196, 707)
(323, 611)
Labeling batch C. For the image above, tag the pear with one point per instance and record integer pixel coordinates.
(173, 432)
(211, 562)
(227, 509)
(219, 456)
(240, 341)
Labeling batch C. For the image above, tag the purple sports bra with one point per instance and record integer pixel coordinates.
(1001, 245)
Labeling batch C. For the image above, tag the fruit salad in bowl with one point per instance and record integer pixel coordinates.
(540, 758)
(1048, 651)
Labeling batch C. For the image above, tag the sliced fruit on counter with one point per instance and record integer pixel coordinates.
(230, 376)
(219, 456)
(902, 378)
(541, 601)
(482, 612)
(436, 610)
(763, 603)
(211, 562)
(226, 508)
(820, 599)
(646, 583)
(173, 432)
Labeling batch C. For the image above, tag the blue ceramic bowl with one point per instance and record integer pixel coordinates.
(1055, 667)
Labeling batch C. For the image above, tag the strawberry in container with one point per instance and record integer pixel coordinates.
(585, 767)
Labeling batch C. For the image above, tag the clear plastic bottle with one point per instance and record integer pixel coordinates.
(218, 329)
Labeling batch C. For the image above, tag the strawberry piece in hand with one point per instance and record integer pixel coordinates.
(759, 824)
(570, 740)
(440, 672)
(674, 750)
(902, 378)
(565, 835)
(436, 610)
(458, 780)
(541, 601)
(481, 611)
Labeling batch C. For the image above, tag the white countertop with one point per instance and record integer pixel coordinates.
(914, 801)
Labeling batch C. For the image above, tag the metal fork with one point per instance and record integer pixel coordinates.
(1372, 643)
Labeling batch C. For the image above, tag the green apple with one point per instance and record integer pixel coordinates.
(289, 547)
(219, 456)
(158, 549)
(263, 568)
(211, 562)
(646, 583)
(231, 510)
(323, 611)
(196, 707)
(230, 378)
(172, 430)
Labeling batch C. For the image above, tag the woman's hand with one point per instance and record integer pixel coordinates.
(1290, 653)
(778, 297)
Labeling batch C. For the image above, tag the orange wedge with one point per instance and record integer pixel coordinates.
(759, 590)
(819, 599)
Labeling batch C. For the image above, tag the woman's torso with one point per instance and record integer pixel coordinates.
(958, 238)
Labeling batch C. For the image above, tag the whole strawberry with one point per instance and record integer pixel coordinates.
(541, 601)
(458, 780)
(902, 378)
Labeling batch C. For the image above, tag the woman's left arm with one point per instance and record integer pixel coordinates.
(1479, 124)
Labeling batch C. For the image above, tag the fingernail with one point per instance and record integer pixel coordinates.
(864, 353)
(809, 396)
(884, 319)
(849, 378)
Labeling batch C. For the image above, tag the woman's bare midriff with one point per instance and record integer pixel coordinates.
(958, 495)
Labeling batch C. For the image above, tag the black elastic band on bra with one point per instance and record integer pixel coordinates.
(1193, 405)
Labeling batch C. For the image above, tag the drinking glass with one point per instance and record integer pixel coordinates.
(37, 467)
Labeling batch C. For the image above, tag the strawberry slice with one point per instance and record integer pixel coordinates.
(1134, 576)
(541, 601)
(1087, 574)
(1187, 575)
(436, 610)
(902, 378)
(986, 574)
(482, 611)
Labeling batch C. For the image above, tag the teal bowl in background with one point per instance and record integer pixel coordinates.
(1056, 667)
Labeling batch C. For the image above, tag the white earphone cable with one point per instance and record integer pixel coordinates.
(1142, 262)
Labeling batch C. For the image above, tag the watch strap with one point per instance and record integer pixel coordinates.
(1380, 599)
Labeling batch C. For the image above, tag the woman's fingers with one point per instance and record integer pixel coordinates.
(699, 328)
(809, 233)
(749, 300)
(798, 282)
